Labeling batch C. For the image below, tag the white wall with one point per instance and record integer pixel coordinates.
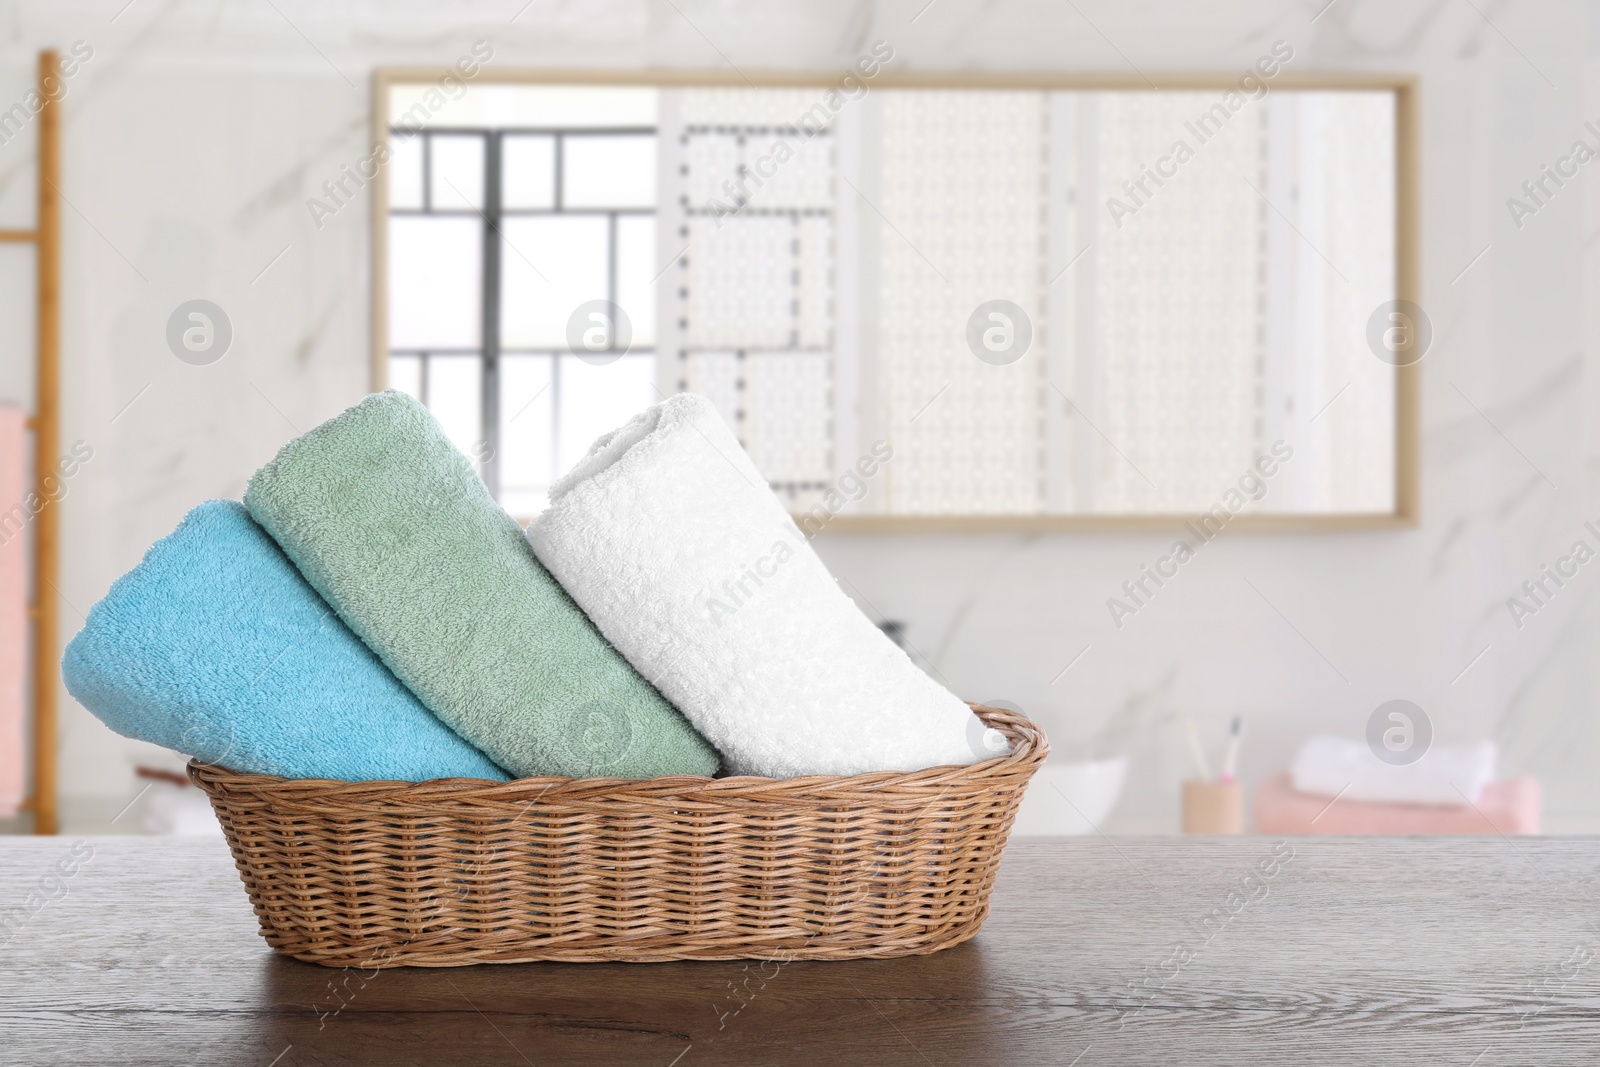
(198, 130)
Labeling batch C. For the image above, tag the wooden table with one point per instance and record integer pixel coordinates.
(1450, 952)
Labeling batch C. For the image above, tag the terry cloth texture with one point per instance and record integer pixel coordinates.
(673, 543)
(215, 646)
(391, 524)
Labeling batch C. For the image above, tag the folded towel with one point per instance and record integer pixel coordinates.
(393, 527)
(13, 607)
(678, 550)
(216, 647)
(1446, 774)
(1509, 807)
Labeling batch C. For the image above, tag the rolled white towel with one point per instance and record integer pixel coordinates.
(1446, 774)
(674, 545)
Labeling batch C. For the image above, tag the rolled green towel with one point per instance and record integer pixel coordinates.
(391, 524)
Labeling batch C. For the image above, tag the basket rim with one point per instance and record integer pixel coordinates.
(1029, 747)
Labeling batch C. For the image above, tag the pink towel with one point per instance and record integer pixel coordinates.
(13, 606)
(1508, 807)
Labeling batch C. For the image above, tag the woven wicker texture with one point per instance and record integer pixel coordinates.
(459, 871)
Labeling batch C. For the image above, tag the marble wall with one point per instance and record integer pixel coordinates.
(196, 131)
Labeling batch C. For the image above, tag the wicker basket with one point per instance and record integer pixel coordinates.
(460, 870)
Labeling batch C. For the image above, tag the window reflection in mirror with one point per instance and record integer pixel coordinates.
(1049, 302)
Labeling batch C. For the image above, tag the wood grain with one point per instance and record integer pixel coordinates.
(46, 674)
(1352, 951)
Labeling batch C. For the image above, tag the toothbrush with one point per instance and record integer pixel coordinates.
(1230, 763)
(1199, 753)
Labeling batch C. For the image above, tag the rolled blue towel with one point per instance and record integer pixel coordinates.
(215, 646)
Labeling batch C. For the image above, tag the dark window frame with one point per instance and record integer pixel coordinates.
(493, 213)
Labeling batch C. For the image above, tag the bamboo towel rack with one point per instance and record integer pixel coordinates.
(46, 426)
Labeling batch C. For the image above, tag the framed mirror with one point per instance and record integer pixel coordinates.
(925, 302)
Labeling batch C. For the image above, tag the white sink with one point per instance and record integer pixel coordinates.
(1070, 798)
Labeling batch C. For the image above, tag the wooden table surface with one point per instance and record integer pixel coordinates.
(1466, 952)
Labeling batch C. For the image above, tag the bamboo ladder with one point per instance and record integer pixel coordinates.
(46, 425)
